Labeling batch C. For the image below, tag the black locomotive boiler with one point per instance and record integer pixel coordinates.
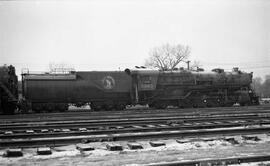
(183, 88)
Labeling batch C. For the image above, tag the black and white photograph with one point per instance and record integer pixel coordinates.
(135, 82)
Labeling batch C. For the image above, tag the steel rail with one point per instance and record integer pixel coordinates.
(130, 129)
(126, 121)
(217, 161)
(112, 118)
(53, 116)
(58, 141)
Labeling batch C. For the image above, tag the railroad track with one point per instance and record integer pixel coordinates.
(114, 121)
(127, 136)
(125, 126)
(52, 131)
(114, 115)
(131, 113)
(125, 129)
(130, 127)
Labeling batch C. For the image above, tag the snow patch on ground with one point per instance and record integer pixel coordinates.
(57, 154)
(172, 148)
(253, 164)
(100, 149)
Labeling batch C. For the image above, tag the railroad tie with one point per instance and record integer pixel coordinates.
(156, 143)
(44, 151)
(17, 152)
(134, 145)
(84, 147)
(114, 147)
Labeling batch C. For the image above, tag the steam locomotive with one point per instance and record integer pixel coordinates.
(108, 90)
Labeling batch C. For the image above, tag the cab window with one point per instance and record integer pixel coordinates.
(146, 80)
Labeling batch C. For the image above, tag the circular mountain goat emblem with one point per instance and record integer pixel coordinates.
(108, 82)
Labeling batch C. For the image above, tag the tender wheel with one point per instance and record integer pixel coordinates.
(95, 107)
(151, 105)
(120, 107)
(212, 103)
(181, 104)
(61, 107)
(209, 104)
(229, 104)
(36, 107)
(159, 105)
(195, 105)
(187, 104)
(107, 107)
(50, 107)
(255, 101)
(243, 104)
(9, 108)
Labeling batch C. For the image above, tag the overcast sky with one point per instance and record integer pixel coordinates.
(108, 34)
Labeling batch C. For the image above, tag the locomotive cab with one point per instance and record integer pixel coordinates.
(144, 82)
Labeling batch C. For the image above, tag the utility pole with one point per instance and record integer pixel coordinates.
(188, 64)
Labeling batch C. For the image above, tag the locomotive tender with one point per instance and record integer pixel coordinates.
(101, 89)
(107, 90)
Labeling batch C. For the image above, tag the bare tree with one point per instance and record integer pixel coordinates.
(262, 88)
(257, 85)
(266, 86)
(167, 57)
